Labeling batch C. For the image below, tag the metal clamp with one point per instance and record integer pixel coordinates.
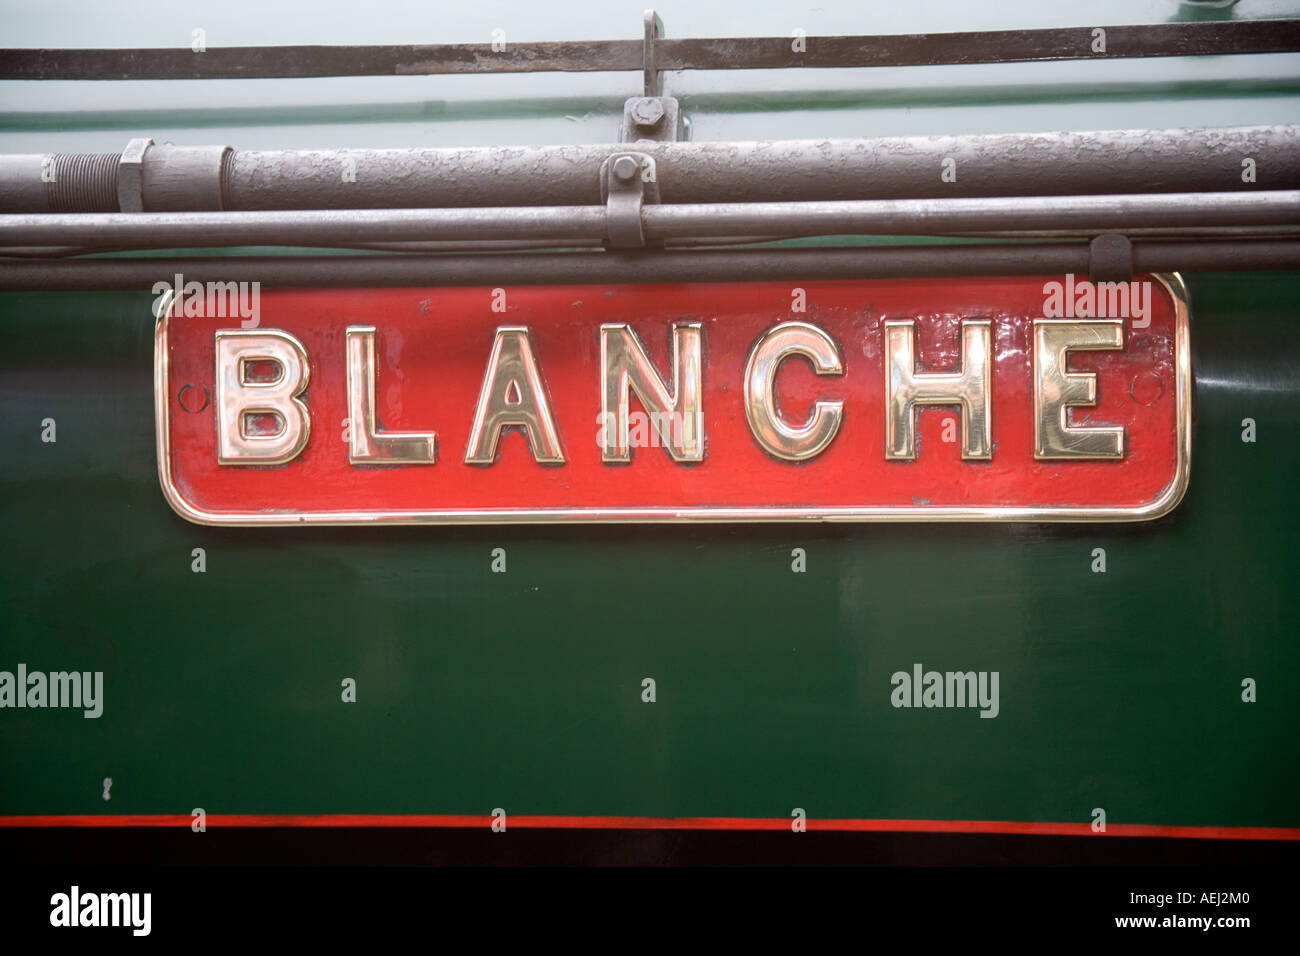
(1110, 258)
(627, 181)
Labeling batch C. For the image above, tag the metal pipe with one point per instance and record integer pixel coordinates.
(1083, 214)
(1086, 215)
(1045, 164)
(137, 274)
(313, 227)
(1037, 164)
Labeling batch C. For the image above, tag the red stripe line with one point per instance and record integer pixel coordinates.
(651, 823)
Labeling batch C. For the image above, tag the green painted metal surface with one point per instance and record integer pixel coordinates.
(522, 690)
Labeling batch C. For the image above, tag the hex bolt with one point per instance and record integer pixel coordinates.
(625, 168)
(647, 111)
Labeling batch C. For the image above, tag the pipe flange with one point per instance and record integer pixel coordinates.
(130, 176)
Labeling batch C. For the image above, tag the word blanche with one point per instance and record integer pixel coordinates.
(1086, 300)
(263, 416)
(57, 689)
(951, 689)
(102, 909)
(220, 300)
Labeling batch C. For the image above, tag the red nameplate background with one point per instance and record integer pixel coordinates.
(432, 348)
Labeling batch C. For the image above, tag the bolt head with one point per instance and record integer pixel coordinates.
(647, 111)
(625, 169)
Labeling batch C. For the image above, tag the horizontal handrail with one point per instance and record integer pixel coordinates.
(729, 53)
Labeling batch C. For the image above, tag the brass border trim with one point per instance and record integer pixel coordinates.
(1165, 503)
